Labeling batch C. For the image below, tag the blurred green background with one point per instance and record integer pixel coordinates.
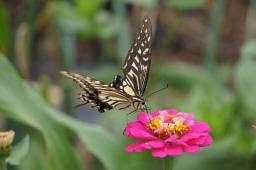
(204, 49)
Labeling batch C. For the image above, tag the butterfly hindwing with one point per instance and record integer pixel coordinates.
(137, 63)
(96, 94)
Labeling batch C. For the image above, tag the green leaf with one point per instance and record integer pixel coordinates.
(178, 75)
(66, 18)
(4, 29)
(36, 157)
(18, 101)
(89, 8)
(146, 3)
(186, 4)
(219, 156)
(19, 151)
(245, 77)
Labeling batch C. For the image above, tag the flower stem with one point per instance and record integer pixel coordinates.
(2, 163)
(168, 163)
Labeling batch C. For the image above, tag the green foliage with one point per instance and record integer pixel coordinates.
(30, 109)
(218, 156)
(86, 18)
(19, 152)
(245, 78)
(146, 3)
(210, 58)
(186, 4)
(89, 8)
(36, 159)
(65, 17)
(4, 29)
(178, 75)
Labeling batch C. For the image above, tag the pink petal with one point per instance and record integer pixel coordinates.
(171, 138)
(179, 142)
(137, 125)
(160, 152)
(201, 141)
(138, 134)
(136, 147)
(172, 111)
(143, 117)
(173, 149)
(164, 113)
(200, 127)
(208, 141)
(155, 143)
(204, 141)
(189, 136)
(155, 113)
(186, 115)
(191, 149)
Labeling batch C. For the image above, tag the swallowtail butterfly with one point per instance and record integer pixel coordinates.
(126, 91)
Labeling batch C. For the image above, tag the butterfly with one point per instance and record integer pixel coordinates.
(122, 92)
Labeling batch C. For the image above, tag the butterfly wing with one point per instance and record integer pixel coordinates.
(137, 63)
(97, 94)
(120, 92)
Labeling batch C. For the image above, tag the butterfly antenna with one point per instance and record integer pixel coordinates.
(166, 87)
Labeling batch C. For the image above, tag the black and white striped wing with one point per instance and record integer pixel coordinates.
(137, 63)
(98, 95)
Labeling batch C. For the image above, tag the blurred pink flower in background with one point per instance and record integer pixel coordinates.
(167, 133)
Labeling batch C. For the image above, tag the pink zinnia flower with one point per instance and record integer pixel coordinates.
(167, 132)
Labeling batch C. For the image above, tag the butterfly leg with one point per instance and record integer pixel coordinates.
(148, 110)
(131, 112)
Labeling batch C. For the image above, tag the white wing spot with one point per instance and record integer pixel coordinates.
(137, 59)
(142, 44)
(139, 51)
(148, 39)
(134, 65)
(145, 59)
(145, 51)
(129, 90)
(125, 65)
(146, 30)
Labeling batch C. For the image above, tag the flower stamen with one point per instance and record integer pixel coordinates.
(172, 125)
(154, 125)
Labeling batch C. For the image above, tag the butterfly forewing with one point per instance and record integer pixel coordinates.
(137, 63)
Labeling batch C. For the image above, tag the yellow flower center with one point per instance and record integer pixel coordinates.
(155, 124)
(178, 129)
(175, 126)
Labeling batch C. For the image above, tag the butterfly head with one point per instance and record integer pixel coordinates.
(139, 103)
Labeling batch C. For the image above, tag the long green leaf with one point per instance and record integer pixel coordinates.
(19, 151)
